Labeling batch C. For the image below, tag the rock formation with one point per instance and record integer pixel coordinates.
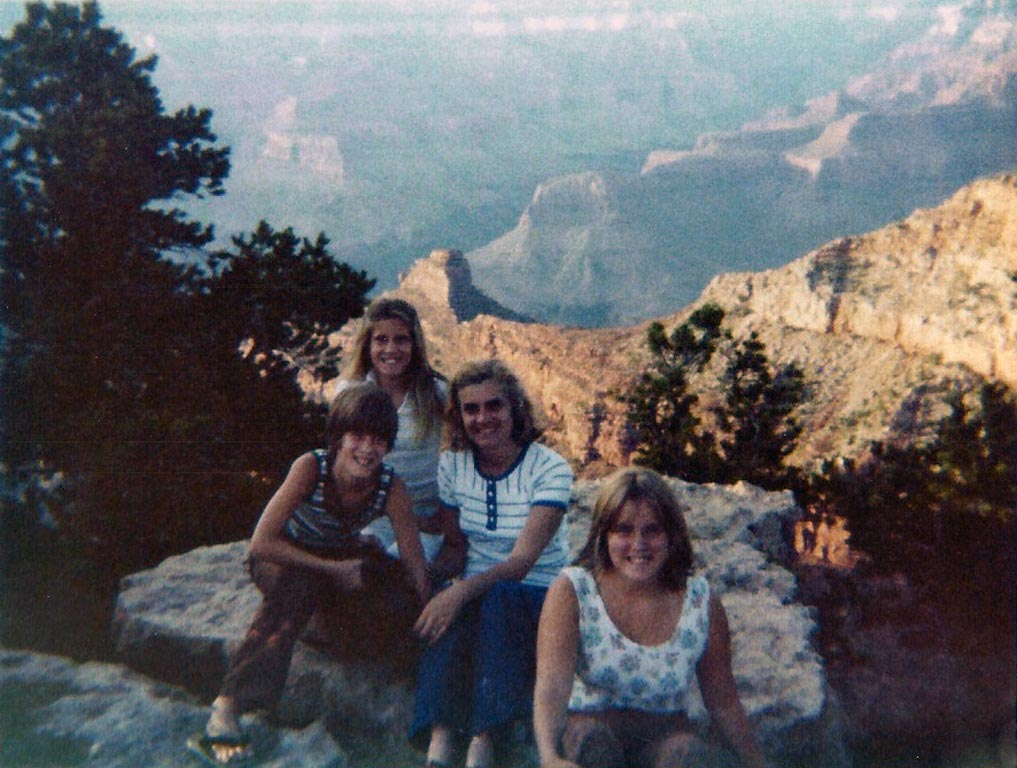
(883, 324)
(179, 621)
(600, 249)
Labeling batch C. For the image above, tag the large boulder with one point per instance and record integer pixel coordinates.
(180, 621)
(95, 715)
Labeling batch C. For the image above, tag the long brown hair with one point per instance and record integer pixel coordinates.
(427, 399)
(363, 408)
(637, 485)
(524, 428)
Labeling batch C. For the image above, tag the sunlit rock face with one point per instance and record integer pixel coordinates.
(610, 248)
(190, 612)
(883, 324)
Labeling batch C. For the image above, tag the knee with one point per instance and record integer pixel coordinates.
(592, 744)
(681, 750)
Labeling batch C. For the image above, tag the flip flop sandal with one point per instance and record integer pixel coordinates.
(204, 746)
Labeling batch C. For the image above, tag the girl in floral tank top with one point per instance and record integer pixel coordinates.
(622, 633)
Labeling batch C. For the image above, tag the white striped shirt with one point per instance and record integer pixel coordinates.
(493, 510)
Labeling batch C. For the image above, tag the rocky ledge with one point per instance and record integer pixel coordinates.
(178, 623)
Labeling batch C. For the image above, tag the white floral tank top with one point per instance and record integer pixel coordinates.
(613, 672)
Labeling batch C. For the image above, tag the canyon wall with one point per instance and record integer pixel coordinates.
(884, 325)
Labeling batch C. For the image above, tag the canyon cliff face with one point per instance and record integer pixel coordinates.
(883, 324)
(606, 248)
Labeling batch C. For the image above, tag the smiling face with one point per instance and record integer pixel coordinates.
(487, 416)
(637, 543)
(391, 349)
(359, 456)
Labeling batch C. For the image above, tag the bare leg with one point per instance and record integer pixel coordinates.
(223, 721)
(439, 751)
(590, 742)
(481, 752)
(679, 750)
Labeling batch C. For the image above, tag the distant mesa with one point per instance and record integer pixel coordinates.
(605, 249)
(318, 154)
(444, 277)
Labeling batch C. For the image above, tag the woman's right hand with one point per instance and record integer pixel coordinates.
(439, 613)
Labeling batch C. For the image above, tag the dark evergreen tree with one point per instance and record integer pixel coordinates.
(665, 430)
(130, 413)
(282, 291)
(955, 495)
(757, 416)
(87, 155)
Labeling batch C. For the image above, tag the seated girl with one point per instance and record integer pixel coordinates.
(307, 553)
(390, 350)
(621, 635)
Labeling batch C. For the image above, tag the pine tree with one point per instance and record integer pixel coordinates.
(88, 154)
(132, 424)
(757, 416)
(660, 408)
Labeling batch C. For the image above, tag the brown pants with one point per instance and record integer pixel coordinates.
(623, 738)
(377, 617)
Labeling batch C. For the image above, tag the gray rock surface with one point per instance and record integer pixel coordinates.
(59, 712)
(179, 622)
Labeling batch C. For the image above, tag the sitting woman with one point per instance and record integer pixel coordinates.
(307, 552)
(510, 493)
(620, 637)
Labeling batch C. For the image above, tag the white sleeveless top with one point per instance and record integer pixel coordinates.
(613, 672)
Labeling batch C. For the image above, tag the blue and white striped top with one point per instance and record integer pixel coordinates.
(493, 510)
(314, 528)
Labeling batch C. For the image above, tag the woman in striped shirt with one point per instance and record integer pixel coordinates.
(509, 494)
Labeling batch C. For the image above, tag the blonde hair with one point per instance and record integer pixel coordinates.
(423, 391)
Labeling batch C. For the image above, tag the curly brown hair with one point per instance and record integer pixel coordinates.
(524, 427)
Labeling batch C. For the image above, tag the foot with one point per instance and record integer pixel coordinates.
(481, 752)
(221, 750)
(223, 723)
(439, 751)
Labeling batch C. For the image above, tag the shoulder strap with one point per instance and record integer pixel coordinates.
(319, 484)
(377, 507)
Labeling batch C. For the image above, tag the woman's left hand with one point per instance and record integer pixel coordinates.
(439, 613)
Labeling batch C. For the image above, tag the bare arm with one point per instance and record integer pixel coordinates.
(270, 544)
(443, 608)
(451, 559)
(720, 696)
(557, 651)
(399, 509)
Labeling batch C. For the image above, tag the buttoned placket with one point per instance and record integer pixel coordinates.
(492, 506)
